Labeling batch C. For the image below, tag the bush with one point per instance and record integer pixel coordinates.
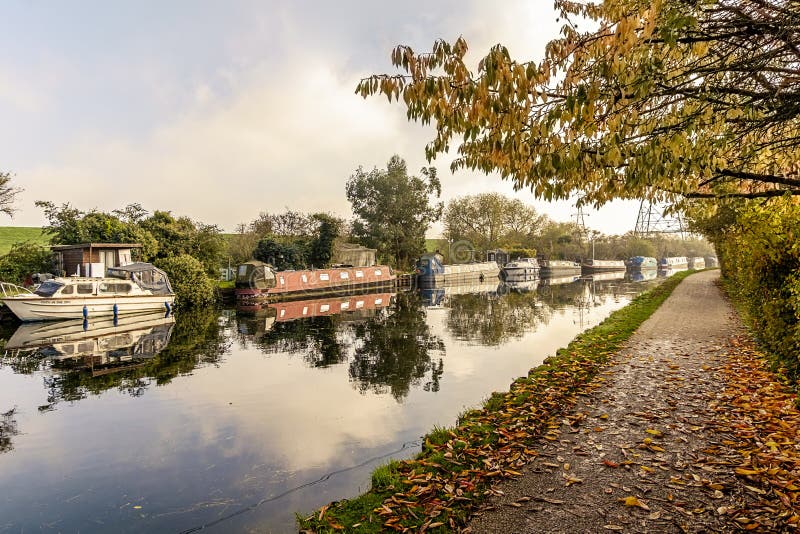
(23, 260)
(760, 258)
(189, 280)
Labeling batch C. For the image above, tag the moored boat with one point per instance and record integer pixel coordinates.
(433, 272)
(558, 268)
(697, 263)
(641, 263)
(520, 270)
(258, 281)
(599, 266)
(134, 288)
(673, 262)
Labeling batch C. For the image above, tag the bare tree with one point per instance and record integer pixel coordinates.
(8, 194)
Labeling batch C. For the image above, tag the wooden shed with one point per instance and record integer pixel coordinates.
(91, 259)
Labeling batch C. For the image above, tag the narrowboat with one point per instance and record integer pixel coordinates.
(673, 262)
(432, 272)
(258, 281)
(697, 263)
(134, 288)
(520, 270)
(601, 266)
(558, 268)
(641, 263)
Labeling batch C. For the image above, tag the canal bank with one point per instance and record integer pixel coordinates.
(685, 431)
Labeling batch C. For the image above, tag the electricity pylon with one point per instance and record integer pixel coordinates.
(651, 222)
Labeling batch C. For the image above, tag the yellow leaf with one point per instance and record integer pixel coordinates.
(634, 501)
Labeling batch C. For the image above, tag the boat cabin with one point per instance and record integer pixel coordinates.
(255, 274)
(91, 259)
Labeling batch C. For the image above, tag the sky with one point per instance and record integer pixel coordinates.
(223, 110)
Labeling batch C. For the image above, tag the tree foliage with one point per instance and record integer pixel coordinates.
(8, 194)
(189, 281)
(394, 210)
(23, 260)
(321, 246)
(491, 220)
(281, 255)
(665, 99)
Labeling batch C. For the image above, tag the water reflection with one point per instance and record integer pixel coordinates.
(8, 429)
(269, 410)
(666, 273)
(78, 359)
(384, 336)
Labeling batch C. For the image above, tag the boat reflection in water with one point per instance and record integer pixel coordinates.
(439, 296)
(666, 273)
(100, 346)
(518, 286)
(641, 276)
(559, 280)
(606, 276)
(257, 319)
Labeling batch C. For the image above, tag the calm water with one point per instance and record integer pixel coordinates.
(233, 420)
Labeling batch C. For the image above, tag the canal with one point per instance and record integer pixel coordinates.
(233, 420)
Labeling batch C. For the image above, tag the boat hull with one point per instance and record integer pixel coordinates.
(460, 274)
(49, 309)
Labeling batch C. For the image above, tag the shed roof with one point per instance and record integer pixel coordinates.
(95, 245)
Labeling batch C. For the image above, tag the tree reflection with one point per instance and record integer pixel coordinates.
(8, 429)
(157, 356)
(491, 320)
(315, 338)
(394, 351)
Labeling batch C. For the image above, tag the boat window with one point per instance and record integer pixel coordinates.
(243, 270)
(281, 280)
(324, 276)
(359, 274)
(344, 306)
(324, 308)
(344, 276)
(68, 290)
(48, 288)
(378, 272)
(114, 288)
(304, 278)
(85, 289)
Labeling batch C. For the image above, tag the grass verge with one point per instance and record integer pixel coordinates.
(438, 489)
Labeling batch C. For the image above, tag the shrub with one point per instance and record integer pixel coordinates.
(189, 280)
(23, 260)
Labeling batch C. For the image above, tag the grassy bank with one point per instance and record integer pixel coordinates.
(10, 235)
(437, 490)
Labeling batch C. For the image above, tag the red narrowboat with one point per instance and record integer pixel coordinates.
(258, 281)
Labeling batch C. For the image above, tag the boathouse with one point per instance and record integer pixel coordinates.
(91, 259)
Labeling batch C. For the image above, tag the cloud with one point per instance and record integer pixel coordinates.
(270, 121)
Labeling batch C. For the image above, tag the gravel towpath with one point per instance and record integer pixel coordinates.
(637, 453)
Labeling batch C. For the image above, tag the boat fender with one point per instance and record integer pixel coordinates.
(167, 307)
(85, 325)
(85, 312)
(116, 311)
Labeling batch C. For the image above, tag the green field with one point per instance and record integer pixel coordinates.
(19, 234)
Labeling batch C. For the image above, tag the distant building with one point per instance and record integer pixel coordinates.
(91, 259)
(353, 254)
